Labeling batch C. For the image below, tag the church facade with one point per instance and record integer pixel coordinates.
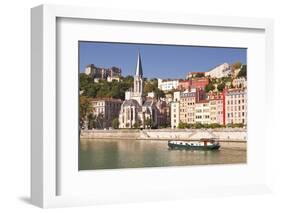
(138, 111)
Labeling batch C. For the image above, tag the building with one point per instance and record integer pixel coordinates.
(216, 107)
(235, 101)
(168, 97)
(168, 85)
(202, 112)
(239, 82)
(175, 114)
(220, 71)
(183, 85)
(114, 78)
(138, 111)
(98, 73)
(196, 82)
(195, 75)
(187, 106)
(175, 110)
(105, 110)
(163, 118)
(199, 82)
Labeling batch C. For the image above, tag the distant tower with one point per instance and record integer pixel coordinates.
(138, 82)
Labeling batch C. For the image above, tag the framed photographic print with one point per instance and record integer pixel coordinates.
(149, 106)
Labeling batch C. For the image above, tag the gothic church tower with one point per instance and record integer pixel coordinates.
(138, 82)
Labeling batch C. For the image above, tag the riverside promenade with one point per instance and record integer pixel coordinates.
(222, 134)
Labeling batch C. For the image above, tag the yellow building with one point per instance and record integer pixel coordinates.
(187, 106)
(216, 108)
(202, 112)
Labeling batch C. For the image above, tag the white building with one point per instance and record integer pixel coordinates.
(167, 85)
(220, 71)
(239, 82)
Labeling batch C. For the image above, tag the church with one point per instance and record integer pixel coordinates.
(138, 111)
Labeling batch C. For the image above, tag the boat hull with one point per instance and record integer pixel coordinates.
(190, 147)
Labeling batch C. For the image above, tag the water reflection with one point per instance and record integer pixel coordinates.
(109, 154)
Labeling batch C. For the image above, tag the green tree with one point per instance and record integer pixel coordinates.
(91, 121)
(137, 124)
(209, 87)
(215, 125)
(199, 75)
(115, 123)
(182, 125)
(243, 72)
(198, 125)
(221, 86)
(85, 108)
(148, 123)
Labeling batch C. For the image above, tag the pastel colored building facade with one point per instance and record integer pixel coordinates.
(184, 85)
(216, 108)
(175, 110)
(175, 114)
(202, 112)
(105, 110)
(187, 106)
(235, 106)
(199, 82)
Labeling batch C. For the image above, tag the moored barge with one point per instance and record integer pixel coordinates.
(202, 144)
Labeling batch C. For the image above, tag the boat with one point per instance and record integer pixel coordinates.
(202, 144)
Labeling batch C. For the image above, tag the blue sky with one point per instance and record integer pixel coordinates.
(158, 61)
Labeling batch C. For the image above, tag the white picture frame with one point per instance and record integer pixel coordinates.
(44, 135)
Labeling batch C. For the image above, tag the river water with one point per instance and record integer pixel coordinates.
(114, 154)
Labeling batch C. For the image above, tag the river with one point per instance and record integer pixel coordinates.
(115, 154)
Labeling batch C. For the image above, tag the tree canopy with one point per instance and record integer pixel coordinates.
(236, 65)
(243, 72)
(209, 87)
(105, 89)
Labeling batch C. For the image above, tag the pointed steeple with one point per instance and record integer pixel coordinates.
(139, 66)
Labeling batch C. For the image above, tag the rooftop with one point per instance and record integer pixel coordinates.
(107, 99)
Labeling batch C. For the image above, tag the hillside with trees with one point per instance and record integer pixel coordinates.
(218, 84)
(103, 89)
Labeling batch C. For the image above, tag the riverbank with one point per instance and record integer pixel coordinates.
(236, 135)
(237, 145)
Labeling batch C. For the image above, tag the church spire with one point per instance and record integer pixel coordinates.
(139, 66)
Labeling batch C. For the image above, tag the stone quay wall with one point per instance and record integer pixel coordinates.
(222, 134)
